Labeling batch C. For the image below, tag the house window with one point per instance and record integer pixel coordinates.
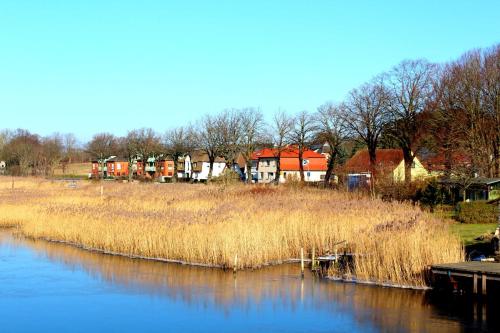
(267, 163)
(322, 177)
(261, 175)
(270, 175)
(284, 174)
(413, 165)
(308, 174)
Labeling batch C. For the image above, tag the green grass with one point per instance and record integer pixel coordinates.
(468, 232)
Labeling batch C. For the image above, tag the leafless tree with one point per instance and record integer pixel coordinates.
(252, 133)
(228, 126)
(101, 147)
(178, 142)
(365, 114)
(331, 128)
(208, 137)
(145, 143)
(281, 129)
(301, 136)
(410, 85)
(49, 154)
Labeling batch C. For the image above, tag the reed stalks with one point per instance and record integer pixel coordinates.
(213, 224)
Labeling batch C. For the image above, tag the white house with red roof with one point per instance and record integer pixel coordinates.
(265, 162)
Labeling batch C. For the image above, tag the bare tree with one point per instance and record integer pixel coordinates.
(178, 141)
(49, 154)
(281, 128)
(252, 133)
(209, 138)
(332, 130)
(22, 151)
(228, 126)
(365, 115)
(410, 86)
(101, 147)
(301, 135)
(145, 143)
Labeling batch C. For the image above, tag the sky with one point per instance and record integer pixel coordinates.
(111, 66)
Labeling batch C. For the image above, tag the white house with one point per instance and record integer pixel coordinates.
(184, 167)
(200, 166)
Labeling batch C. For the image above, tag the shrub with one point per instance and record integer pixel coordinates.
(476, 212)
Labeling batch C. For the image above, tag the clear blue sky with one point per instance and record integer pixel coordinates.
(90, 66)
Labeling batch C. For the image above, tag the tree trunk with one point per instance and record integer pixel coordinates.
(408, 159)
(210, 169)
(329, 169)
(278, 168)
(130, 170)
(175, 158)
(249, 172)
(301, 165)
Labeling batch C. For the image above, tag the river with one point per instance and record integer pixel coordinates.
(49, 287)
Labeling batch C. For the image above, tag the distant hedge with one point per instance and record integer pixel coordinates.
(477, 212)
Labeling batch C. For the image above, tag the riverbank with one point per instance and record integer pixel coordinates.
(211, 225)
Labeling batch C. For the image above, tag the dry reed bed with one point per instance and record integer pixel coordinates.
(212, 224)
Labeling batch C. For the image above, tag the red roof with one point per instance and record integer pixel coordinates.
(385, 159)
(290, 159)
(286, 153)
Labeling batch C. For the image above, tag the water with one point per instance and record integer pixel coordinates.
(46, 287)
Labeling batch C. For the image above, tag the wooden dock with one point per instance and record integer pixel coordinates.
(477, 277)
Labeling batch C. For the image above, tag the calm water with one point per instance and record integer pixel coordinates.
(51, 287)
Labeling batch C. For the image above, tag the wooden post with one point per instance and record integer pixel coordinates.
(313, 264)
(235, 263)
(302, 262)
(102, 191)
(474, 284)
(483, 284)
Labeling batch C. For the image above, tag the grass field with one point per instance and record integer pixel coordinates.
(213, 224)
(469, 232)
(73, 169)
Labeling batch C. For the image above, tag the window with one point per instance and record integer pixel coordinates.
(284, 174)
(322, 177)
(413, 165)
(261, 175)
(267, 163)
(270, 175)
(308, 174)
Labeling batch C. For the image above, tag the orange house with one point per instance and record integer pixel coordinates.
(117, 167)
(164, 169)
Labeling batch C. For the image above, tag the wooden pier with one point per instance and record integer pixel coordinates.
(476, 277)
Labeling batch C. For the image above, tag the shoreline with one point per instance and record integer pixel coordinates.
(352, 280)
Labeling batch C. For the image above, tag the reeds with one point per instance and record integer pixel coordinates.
(212, 224)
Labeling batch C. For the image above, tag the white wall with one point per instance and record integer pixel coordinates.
(309, 176)
(203, 175)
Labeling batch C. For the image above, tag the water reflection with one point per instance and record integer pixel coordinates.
(276, 289)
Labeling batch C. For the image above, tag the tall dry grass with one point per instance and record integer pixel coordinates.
(212, 224)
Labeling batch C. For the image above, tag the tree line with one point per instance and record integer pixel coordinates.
(451, 110)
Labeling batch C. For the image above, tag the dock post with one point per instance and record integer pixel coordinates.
(235, 264)
(302, 262)
(313, 264)
(483, 284)
(474, 284)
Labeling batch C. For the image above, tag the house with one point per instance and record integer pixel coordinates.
(479, 188)
(95, 172)
(116, 167)
(266, 161)
(200, 166)
(164, 169)
(389, 164)
(3, 167)
(184, 167)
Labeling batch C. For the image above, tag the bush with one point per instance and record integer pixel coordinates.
(476, 212)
